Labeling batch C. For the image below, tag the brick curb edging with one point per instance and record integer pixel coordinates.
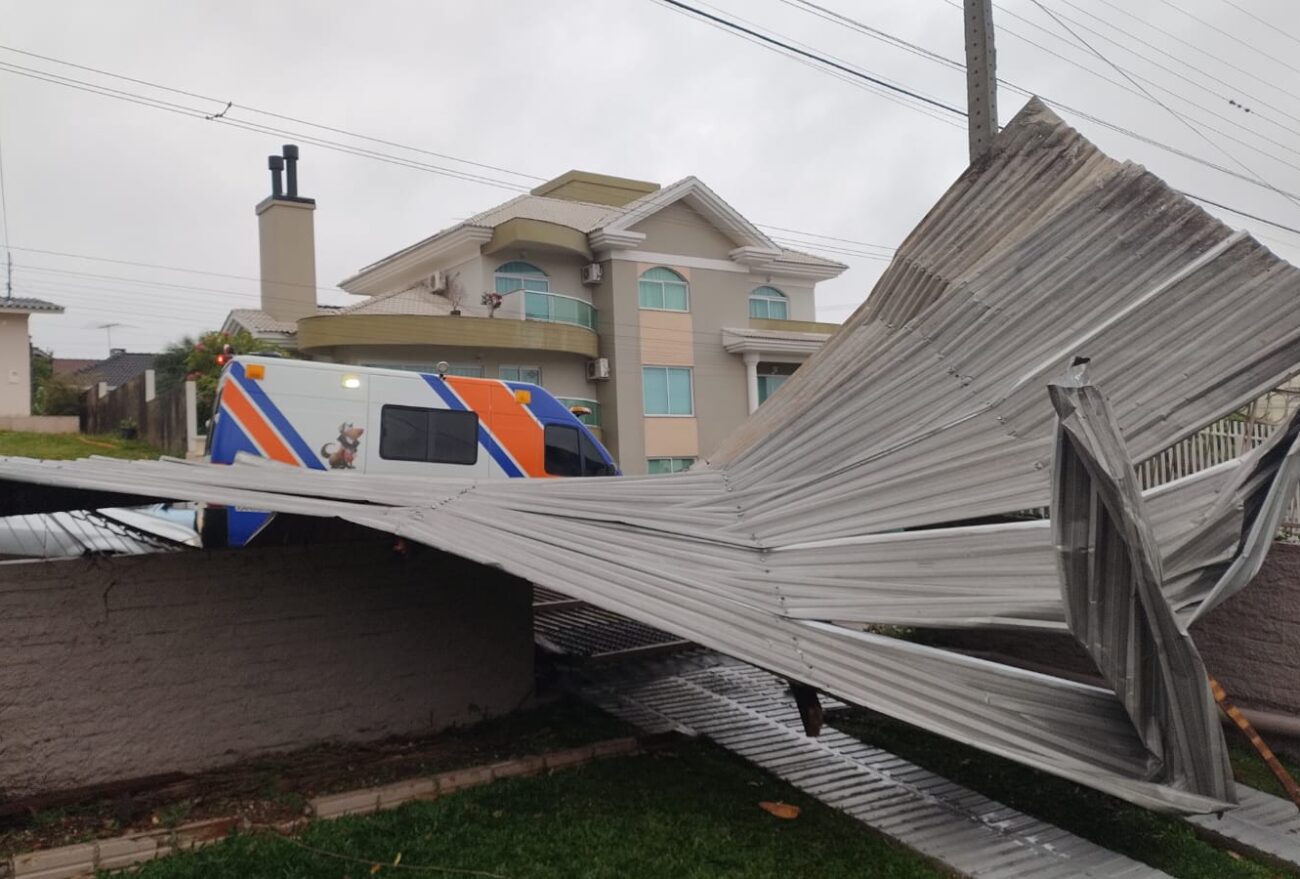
(83, 859)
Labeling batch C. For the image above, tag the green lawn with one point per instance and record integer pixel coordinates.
(1162, 841)
(691, 811)
(63, 446)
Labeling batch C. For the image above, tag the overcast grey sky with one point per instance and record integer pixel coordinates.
(537, 87)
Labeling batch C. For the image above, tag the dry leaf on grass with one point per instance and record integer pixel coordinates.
(780, 810)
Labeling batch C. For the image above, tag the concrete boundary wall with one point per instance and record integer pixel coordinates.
(115, 668)
(1250, 643)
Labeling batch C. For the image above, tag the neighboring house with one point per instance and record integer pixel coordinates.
(15, 352)
(661, 309)
(67, 367)
(117, 369)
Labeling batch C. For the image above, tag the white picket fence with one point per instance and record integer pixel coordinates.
(1215, 444)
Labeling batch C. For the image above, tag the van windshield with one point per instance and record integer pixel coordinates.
(570, 452)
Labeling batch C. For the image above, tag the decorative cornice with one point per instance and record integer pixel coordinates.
(607, 240)
(746, 341)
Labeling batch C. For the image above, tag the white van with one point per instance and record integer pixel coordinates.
(329, 416)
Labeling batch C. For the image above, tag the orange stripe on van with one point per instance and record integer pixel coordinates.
(510, 422)
(234, 399)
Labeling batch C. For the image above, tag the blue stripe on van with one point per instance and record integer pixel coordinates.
(485, 439)
(254, 390)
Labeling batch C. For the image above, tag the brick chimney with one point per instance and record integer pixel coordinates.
(287, 241)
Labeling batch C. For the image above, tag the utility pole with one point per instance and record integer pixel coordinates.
(981, 77)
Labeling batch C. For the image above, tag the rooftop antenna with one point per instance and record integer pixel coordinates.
(109, 329)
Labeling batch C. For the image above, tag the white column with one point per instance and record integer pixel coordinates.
(751, 378)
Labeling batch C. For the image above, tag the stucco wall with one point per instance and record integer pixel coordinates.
(15, 366)
(124, 667)
(679, 229)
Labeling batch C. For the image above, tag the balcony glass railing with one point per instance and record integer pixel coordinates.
(558, 308)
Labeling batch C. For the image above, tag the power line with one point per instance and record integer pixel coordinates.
(1254, 49)
(1254, 99)
(854, 24)
(1168, 109)
(1266, 24)
(1227, 99)
(1169, 34)
(154, 103)
(1242, 213)
(820, 59)
(298, 121)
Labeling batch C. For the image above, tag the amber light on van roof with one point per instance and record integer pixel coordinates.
(523, 396)
(255, 371)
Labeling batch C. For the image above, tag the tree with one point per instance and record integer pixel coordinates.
(42, 367)
(191, 359)
(57, 395)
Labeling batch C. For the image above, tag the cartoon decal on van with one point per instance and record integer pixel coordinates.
(341, 453)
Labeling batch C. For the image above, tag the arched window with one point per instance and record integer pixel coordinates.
(663, 289)
(769, 302)
(517, 275)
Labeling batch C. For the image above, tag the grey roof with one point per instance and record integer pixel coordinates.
(580, 215)
(27, 303)
(261, 324)
(840, 503)
(416, 301)
(585, 217)
(116, 370)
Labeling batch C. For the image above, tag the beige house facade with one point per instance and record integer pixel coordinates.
(661, 310)
(15, 352)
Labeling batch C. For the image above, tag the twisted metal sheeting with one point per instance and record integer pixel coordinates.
(1111, 578)
(928, 409)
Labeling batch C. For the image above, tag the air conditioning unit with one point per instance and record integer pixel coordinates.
(598, 369)
(592, 273)
(438, 282)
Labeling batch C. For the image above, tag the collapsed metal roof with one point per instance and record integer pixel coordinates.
(930, 408)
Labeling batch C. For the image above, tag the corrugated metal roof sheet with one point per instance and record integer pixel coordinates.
(927, 408)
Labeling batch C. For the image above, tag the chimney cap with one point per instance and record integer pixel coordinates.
(275, 163)
(290, 151)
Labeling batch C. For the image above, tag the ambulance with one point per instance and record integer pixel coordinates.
(329, 416)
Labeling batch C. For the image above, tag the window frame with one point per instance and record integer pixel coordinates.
(429, 413)
(690, 377)
(519, 369)
(520, 277)
(763, 294)
(672, 460)
(642, 279)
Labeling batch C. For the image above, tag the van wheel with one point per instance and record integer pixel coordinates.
(214, 527)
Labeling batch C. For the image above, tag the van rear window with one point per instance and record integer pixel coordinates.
(435, 436)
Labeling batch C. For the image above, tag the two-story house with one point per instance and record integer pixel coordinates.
(662, 310)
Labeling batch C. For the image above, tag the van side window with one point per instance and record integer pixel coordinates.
(562, 458)
(436, 436)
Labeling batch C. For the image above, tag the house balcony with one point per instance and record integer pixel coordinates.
(321, 334)
(558, 308)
